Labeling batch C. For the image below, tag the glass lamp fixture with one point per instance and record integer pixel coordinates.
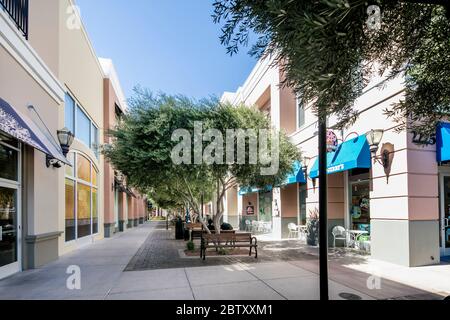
(65, 138)
(306, 161)
(374, 137)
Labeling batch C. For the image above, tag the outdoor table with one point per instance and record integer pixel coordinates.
(302, 230)
(356, 234)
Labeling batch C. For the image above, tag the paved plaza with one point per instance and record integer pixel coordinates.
(144, 263)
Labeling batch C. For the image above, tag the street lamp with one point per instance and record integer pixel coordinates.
(374, 137)
(65, 138)
(305, 164)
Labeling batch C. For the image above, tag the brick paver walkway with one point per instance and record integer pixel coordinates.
(282, 271)
(161, 251)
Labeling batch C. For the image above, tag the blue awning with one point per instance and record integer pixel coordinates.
(351, 154)
(25, 130)
(297, 175)
(443, 142)
(246, 190)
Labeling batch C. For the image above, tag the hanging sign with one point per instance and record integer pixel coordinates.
(332, 141)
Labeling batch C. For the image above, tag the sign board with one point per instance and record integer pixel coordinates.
(332, 141)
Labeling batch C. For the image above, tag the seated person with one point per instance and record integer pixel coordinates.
(211, 225)
(226, 226)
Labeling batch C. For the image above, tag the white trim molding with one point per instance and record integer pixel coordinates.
(19, 48)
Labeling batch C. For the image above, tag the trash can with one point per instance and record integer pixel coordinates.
(179, 230)
(186, 235)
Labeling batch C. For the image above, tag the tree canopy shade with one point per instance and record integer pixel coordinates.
(329, 50)
(146, 149)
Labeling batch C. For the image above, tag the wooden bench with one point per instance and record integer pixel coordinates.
(195, 230)
(228, 240)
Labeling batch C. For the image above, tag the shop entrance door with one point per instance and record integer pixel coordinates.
(445, 214)
(265, 206)
(10, 244)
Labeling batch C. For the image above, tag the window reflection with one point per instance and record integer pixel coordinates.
(70, 210)
(8, 163)
(82, 190)
(94, 210)
(83, 210)
(83, 168)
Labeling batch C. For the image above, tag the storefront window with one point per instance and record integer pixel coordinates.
(81, 188)
(94, 211)
(303, 194)
(83, 210)
(83, 131)
(359, 200)
(8, 163)
(265, 206)
(83, 168)
(70, 210)
(69, 113)
(9, 193)
(70, 170)
(78, 122)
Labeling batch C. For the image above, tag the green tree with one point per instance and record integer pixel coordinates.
(143, 148)
(328, 49)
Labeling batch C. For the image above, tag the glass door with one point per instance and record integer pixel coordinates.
(10, 244)
(116, 207)
(445, 214)
(8, 229)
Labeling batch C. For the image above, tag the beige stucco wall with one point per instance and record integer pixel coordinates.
(19, 91)
(289, 201)
(44, 31)
(69, 54)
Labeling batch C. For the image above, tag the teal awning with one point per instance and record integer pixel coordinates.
(246, 190)
(351, 154)
(443, 142)
(297, 175)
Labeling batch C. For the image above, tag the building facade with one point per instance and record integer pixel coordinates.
(395, 194)
(52, 203)
(117, 197)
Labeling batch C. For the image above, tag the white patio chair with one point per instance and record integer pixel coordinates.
(293, 230)
(255, 226)
(339, 233)
(260, 226)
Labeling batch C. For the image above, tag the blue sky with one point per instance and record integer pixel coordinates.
(165, 45)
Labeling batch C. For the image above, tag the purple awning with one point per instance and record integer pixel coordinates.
(23, 129)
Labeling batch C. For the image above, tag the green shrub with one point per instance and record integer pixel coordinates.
(222, 252)
(190, 246)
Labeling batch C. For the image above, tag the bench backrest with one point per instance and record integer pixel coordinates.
(228, 236)
(222, 231)
(194, 226)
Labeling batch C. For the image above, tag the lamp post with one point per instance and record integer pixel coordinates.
(305, 165)
(323, 216)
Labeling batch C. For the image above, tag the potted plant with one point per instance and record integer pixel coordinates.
(312, 227)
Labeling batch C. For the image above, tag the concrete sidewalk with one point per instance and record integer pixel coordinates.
(103, 277)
